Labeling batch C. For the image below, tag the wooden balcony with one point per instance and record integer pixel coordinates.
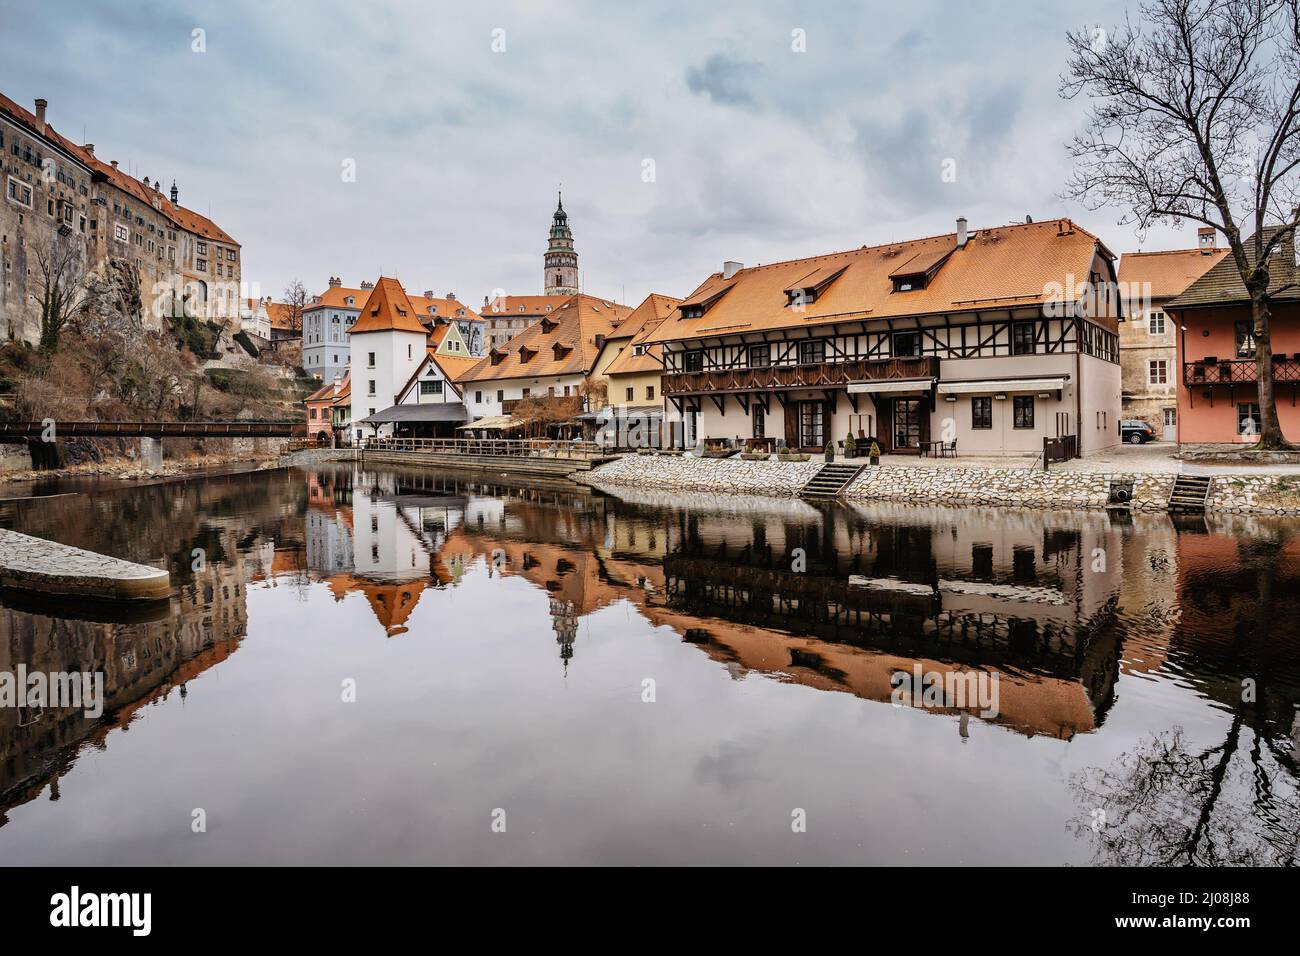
(776, 378)
(1239, 371)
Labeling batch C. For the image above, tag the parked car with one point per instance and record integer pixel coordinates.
(1136, 432)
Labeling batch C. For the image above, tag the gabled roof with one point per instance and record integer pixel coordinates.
(1222, 284)
(387, 310)
(579, 319)
(645, 319)
(1168, 273)
(1024, 264)
(445, 308)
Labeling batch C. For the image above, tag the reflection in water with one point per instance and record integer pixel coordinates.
(1145, 670)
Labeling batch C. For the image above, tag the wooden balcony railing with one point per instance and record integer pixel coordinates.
(500, 447)
(778, 377)
(1239, 371)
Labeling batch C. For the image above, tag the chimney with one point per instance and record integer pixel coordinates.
(428, 293)
(89, 148)
(452, 296)
(962, 235)
(1205, 239)
(175, 193)
(146, 182)
(335, 282)
(1029, 220)
(730, 268)
(114, 164)
(40, 116)
(367, 285)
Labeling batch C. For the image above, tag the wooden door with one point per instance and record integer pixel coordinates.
(885, 424)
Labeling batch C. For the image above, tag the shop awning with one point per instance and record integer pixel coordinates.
(893, 385)
(431, 412)
(1004, 385)
(494, 423)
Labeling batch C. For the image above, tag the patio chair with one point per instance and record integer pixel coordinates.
(948, 449)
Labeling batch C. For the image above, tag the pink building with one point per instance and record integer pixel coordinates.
(1218, 399)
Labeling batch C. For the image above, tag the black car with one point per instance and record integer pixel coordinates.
(1136, 432)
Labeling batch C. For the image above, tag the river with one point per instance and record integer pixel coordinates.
(391, 667)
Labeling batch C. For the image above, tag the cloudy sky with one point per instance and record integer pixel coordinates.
(753, 150)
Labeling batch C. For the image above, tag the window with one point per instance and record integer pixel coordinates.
(693, 361)
(1022, 338)
(812, 353)
(907, 344)
(759, 421)
(650, 392)
(526, 392)
(371, 389)
(370, 360)
(1155, 323)
(1248, 420)
(313, 412)
(1023, 411)
(981, 411)
(1158, 371)
(120, 233)
(202, 248)
(20, 193)
(501, 395)
(630, 395)
(431, 388)
(478, 398)
(1245, 339)
(201, 265)
(760, 356)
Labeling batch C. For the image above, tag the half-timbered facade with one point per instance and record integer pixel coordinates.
(994, 340)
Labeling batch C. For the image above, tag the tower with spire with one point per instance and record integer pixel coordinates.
(560, 270)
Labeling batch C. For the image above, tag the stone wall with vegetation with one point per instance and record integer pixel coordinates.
(1255, 494)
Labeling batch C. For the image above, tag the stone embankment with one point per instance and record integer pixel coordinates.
(972, 486)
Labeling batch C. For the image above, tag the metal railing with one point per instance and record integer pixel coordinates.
(499, 447)
(1238, 371)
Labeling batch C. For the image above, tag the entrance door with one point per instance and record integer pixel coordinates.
(756, 412)
(812, 425)
(1171, 424)
(908, 423)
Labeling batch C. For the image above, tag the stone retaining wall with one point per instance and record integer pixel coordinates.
(1255, 494)
(1014, 487)
(725, 475)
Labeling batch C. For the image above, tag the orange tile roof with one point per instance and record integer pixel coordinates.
(447, 308)
(1222, 285)
(454, 366)
(574, 327)
(1169, 272)
(1000, 267)
(533, 305)
(336, 297)
(643, 322)
(387, 309)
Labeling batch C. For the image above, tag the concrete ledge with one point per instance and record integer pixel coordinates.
(34, 564)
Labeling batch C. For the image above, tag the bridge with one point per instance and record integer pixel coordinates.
(247, 429)
(44, 437)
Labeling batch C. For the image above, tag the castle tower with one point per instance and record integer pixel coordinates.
(560, 275)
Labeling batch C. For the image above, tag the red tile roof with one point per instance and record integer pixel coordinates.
(1168, 273)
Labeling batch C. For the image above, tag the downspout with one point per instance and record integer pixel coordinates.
(1078, 382)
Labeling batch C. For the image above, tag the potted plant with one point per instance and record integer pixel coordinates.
(850, 446)
(875, 453)
(830, 451)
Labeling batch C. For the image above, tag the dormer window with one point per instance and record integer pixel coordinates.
(350, 300)
(526, 354)
(808, 289)
(561, 350)
(433, 310)
(496, 356)
(908, 283)
(549, 307)
(548, 326)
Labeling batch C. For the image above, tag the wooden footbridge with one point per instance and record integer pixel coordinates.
(71, 429)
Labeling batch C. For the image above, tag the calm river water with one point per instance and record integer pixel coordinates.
(389, 667)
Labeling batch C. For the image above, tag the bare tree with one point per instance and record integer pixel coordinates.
(295, 301)
(1196, 115)
(62, 269)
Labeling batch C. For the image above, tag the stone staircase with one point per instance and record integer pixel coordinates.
(1189, 493)
(832, 479)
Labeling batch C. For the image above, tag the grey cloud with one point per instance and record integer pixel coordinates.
(725, 79)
